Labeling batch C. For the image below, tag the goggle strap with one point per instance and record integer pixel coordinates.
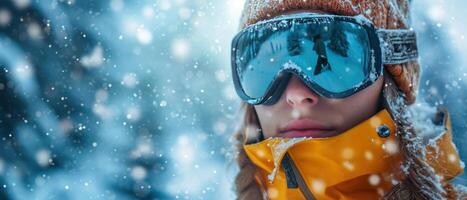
(398, 45)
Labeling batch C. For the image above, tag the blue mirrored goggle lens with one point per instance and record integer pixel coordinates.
(332, 55)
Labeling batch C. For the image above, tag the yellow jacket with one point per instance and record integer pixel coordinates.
(361, 163)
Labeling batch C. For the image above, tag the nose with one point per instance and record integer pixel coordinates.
(297, 94)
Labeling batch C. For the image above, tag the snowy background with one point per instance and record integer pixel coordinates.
(120, 99)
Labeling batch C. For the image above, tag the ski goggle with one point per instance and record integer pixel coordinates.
(335, 56)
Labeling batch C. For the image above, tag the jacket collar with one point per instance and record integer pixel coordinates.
(359, 163)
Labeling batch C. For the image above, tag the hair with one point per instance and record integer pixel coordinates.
(421, 182)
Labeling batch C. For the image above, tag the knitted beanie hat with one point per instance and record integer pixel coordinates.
(388, 14)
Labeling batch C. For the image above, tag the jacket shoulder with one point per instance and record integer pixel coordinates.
(441, 153)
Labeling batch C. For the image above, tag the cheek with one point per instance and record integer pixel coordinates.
(264, 111)
(367, 97)
(359, 102)
(267, 119)
(362, 105)
(265, 114)
(348, 112)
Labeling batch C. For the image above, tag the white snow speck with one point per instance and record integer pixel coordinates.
(184, 13)
(180, 49)
(2, 166)
(144, 36)
(5, 17)
(133, 114)
(368, 155)
(21, 4)
(391, 147)
(164, 4)
(295, 113)
(452, 158)
(221, 75)
(347, 153)
(130, 80)
(117, 5)
(273, 192)
(220, 127)
(94, 59)
(43, 157)
(318, 186)
(374, 179)
(34, 31)
(348, 165)
(148, 12)
(138, 173)
(163, 103)
(23, 71)
(375, 122)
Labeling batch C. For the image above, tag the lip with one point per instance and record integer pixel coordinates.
(305, 128)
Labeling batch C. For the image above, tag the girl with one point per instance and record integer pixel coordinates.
(326, 85)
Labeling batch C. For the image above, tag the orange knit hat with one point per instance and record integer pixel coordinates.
(388, 14)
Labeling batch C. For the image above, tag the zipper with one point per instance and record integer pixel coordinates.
(289, 174)
(294, 178)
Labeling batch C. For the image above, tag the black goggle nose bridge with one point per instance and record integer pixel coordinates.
(281, 82)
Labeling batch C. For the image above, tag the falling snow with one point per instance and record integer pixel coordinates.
(134, 100)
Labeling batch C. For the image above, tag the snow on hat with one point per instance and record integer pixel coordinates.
(389, 14)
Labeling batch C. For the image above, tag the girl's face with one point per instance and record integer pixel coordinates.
(302, 112)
